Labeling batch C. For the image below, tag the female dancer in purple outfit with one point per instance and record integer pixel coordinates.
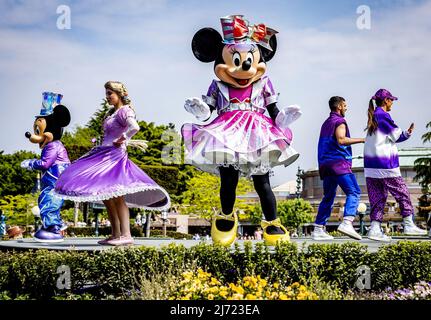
(106, 174)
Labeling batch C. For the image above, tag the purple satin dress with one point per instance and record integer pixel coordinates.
(106, 172)
(241, 136)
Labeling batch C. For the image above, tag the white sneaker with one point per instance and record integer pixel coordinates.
(320, 234)
(376, 233)
(346, 227)
(410, 229)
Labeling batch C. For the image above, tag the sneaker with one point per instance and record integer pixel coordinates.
(51, 234)
(410, 229)
(376, 233)
(63, 226)
(320, 234)
(347, 229)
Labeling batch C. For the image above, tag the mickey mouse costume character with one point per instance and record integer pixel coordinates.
(48, 129)
(241, 139)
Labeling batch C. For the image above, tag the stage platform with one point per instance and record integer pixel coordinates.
(90, 243)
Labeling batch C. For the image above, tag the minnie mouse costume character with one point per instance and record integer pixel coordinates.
(48, 129)
(241, 139)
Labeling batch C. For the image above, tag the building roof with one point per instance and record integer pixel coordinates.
(289, 187)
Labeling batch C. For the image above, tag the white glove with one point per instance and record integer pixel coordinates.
(198, 108)
(27, 164)
(287, 116)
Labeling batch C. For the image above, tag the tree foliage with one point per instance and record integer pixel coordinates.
(292, 213)
(423, 165)
(16, 180)
(17, 208)
(203, 194)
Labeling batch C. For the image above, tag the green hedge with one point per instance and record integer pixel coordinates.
(113, 272)
(136, 232)
(171, 234)
(103, 231)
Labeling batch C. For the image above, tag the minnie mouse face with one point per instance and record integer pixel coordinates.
(238, 65)
(242, 65)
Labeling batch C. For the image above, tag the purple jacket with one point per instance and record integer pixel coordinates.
(53, 153)
(262, 94)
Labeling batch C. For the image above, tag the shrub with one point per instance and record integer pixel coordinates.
(330, 269)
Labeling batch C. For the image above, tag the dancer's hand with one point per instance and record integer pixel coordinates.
(410, 129)
(27, 164)
(198, 108)
(287, 116)
(119, 141)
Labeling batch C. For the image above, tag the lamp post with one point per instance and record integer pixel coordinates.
(164, 220)
(362, 208)
(2, 224)
(36, 210)
(299, 182)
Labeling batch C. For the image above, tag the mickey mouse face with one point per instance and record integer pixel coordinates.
(242, 65)
(49, 128)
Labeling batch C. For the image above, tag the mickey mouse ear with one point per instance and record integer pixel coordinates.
(62, 115)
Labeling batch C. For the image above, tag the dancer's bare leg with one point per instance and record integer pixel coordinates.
(113, 218)
(123, 216)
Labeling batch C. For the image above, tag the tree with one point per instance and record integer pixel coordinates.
(17, 208)
(422, 166)
(292, 213)
(16, 180)
(203, 195)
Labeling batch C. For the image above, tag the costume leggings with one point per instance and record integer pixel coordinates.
(378, 193)
(229, 181)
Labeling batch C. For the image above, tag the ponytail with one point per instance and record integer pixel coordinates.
(372, 123)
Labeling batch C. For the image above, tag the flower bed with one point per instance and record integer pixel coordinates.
(326, 271)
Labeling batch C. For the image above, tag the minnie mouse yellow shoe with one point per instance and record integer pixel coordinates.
(280, 232)
(224, 229)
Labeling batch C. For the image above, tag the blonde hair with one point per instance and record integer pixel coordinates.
(120, 89)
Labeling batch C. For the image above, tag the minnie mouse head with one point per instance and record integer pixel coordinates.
(48, 125)
(240, 57)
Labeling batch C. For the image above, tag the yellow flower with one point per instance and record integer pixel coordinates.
(250, 297)
(223, 293)
(210, 297)
(282, 296)
(214, 281)
(276, 285)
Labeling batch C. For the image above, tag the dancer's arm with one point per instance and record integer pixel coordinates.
(132, 129)
(394, 133)
(48, 157)
(340, 135)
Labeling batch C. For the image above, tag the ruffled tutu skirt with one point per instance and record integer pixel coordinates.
(247, 140)
(106, 172)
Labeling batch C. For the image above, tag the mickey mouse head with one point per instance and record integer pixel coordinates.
(48, 126)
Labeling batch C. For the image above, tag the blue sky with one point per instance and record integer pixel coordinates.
(146, 45)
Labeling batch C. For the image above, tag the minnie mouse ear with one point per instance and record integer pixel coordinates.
(206, 44)
(61, 115)
(268, 54)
